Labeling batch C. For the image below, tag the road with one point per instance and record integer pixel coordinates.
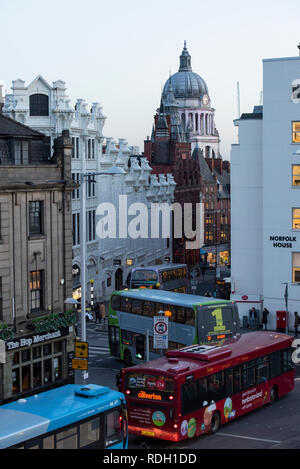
(272, 426)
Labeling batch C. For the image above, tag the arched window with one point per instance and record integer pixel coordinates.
(39, 105)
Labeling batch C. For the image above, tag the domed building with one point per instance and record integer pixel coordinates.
(190, 95)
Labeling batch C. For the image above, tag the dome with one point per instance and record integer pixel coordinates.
(186, 83)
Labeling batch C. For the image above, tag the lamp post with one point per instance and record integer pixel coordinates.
(114, 170)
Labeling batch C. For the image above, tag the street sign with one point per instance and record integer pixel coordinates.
(160, 332)
(81, 349)
(79, 364)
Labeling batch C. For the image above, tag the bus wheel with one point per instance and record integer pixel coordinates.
(273, 394)
(215, 422)
(128, 357)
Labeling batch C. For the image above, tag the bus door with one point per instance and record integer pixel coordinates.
(217, 322)
(114, 340)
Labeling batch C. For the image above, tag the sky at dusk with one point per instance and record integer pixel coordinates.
(120, 53)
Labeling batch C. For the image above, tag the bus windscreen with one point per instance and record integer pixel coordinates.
(217, 322)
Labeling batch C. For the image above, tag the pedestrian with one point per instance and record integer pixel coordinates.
(296, 323)
(97, 313)
(102, 312)
(265, 317)
(253, 317)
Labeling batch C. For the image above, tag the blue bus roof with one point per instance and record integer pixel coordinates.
(160, 267)
(28, 418)
(169, 297)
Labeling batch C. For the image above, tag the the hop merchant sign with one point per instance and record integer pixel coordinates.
(160, 332)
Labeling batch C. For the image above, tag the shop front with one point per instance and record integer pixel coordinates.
(36, 362)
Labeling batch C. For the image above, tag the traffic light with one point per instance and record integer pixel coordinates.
(139, 347)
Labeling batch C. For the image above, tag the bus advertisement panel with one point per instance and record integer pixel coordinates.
(196, 389)
(69, 417)
(172, 277)
(192, 320)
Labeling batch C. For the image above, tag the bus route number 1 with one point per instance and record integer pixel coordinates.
(219, 320)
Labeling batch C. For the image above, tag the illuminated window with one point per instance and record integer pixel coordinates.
(296, 132)
(296, 267)
(296, 219)
(296, 175)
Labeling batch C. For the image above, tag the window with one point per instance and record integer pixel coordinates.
(229, 382)
(287, 363)
(149, 308)
(91, 225)
(76, 180)
(216, 386)
(67, 439)
(113, 429)
(76, 228)
(21, 152)
(296, 132)
(262, 369)
(91, 186)
(137, 307)
(296, 175)
(36, 290)
(237, 379)
(248, 374)
(89, 432)
(39, 105)
(296, 267)
(190, 400)
(125, 304)
(115, 303)
(296, 219)
(73, 148)
(296, 91)
(35, 217)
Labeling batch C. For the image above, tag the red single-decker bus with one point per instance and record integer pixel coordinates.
(194, 390)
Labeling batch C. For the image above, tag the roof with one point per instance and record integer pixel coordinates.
(236, 350)
(252, 115)
(205, 172)
(47, 411)
(169, 297)
(11, 128)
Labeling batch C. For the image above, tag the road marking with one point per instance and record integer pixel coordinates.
(247, 437)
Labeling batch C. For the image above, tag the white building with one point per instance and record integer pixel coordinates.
(48, 109)
(265, 197)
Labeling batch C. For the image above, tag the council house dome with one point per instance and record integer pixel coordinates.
(186, 83)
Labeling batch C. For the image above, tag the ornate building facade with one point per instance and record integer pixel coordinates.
(48, 109)
(186, 143)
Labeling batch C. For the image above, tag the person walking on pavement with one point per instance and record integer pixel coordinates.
(296, 323)
(102, 313)
(265, 317)
(97, 311)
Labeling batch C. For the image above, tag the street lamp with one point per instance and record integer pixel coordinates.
(114, 170)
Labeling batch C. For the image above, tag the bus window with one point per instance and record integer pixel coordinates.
(237, 379)
(115, 302)
(202, 390)
(216, 386)
(249, 374)
(113, 428)
(67, 439)
(149, 308)
(262, 369)
(125, 304)
(189, 397)
(275, 364)
(190, 316)
(287, 360)
(160, 307)
(137, 307)
(89, 432)
(48, 442)
(229, 382)
(180, 314)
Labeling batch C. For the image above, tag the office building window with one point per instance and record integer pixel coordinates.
(76, 228)
(296, 219)
(77, 147)
(39, 105)
(35, 217)
(76, 192)
(91, 187)
(91, 225)
(296, 132)
(36, 290)
(296, 175)
(296, 267)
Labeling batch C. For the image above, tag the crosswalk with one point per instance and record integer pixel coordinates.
(96, 350)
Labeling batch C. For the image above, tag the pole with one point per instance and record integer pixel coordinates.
(286, 297)
(83, 256)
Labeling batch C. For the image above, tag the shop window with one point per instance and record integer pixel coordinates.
(47, 371)
(37, 374)
(16, 381)
(26, 377)
(296, 132)
(296, 175)
(296, 267)
(296, 219)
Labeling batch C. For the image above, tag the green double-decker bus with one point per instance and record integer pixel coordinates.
(191, 320)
